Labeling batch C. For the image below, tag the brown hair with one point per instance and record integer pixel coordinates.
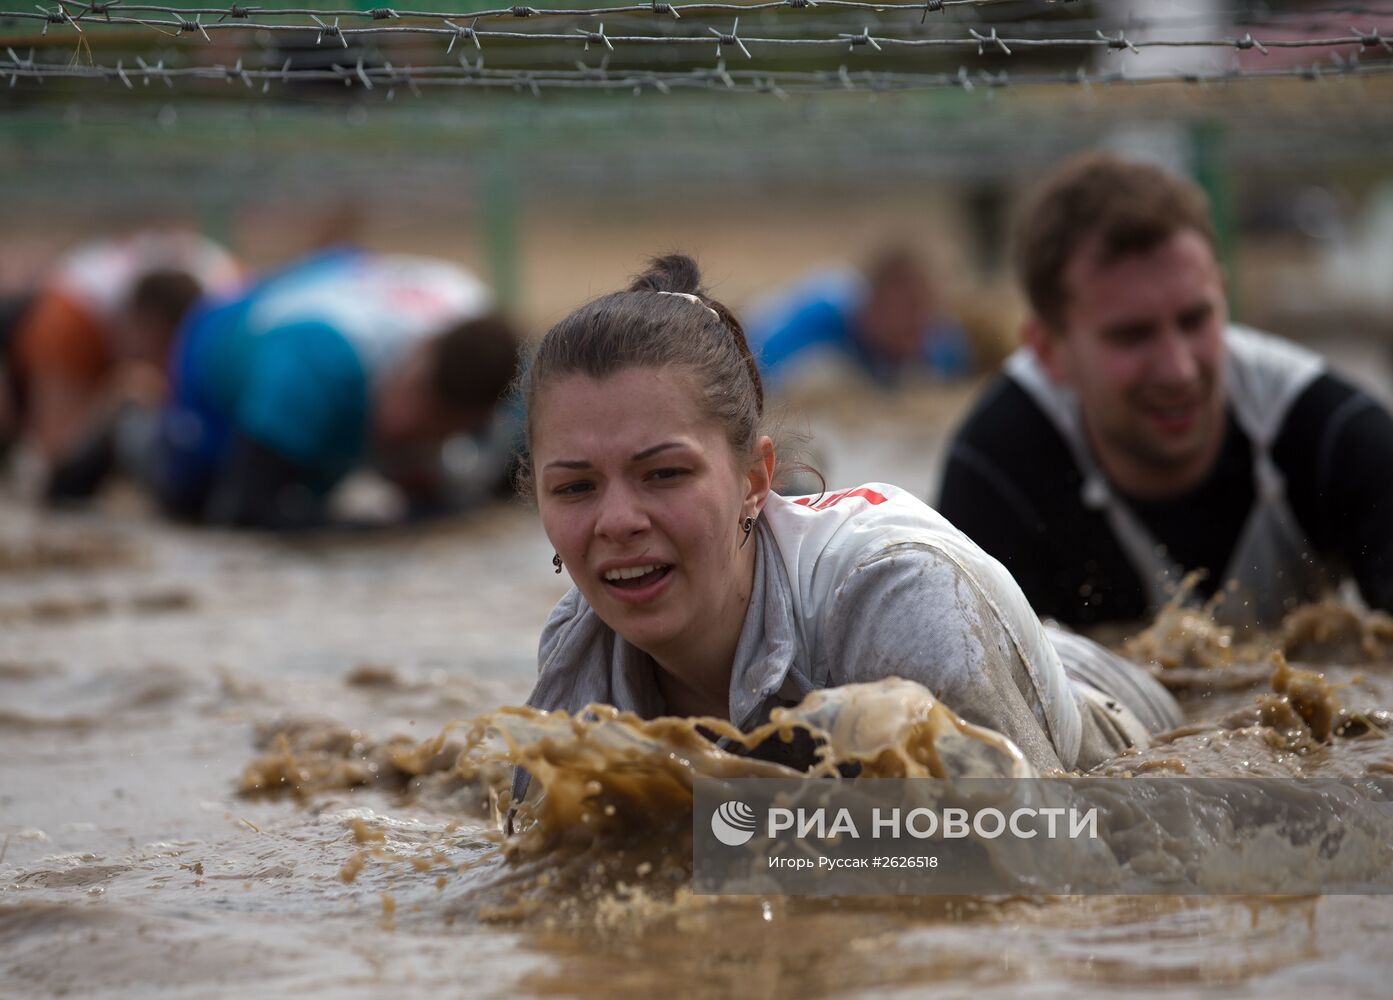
(643, 328)
(474, 362)
(1127, 208)
(163, 298)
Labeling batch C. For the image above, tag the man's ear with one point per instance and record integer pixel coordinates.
(1049, 348)
(760, 475)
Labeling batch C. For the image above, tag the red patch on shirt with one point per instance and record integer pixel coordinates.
(824, 502)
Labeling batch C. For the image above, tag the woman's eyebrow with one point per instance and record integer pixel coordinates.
(650, 452)
(580, 463)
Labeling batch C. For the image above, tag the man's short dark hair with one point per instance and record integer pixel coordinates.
(894, 263)
(163, 298)
(1120, 207)
(475, 362)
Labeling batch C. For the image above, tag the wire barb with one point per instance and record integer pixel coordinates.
(329, 31)
(1249, 42)
(98, 8)
(1372, 39)
(59, 16)
(468, 32)
(731, 39)
(185, 25)
(159, 73)
(1120, 42)
(862, 39)
(985, 40)
(598, 37)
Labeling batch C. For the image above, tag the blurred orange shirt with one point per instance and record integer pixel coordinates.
(58, 337)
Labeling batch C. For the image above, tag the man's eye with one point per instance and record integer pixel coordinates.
(1195, 319)
(1128, 336)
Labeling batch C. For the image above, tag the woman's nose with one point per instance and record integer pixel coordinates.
(621, 515)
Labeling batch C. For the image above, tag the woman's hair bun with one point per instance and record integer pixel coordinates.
(673, 272)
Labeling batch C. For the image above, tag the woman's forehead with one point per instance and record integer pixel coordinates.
(625, 409)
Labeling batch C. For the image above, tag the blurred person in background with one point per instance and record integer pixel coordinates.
(341, 360)
(887, 321)
(13, 306)
(91, 344)
(1138, 435)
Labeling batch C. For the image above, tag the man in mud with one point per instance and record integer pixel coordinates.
(1138, 435)
(886, 321)
(86, 354)
(341, 360)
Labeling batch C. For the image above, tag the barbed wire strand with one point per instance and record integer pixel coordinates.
(237, 11)
(719, 77)
(983, 42)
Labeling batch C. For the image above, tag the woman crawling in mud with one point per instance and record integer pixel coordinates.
(701, 592)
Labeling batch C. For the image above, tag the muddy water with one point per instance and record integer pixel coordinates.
(203, 792)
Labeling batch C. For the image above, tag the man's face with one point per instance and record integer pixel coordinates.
(1143, 346)
(893, 318)
(406, 411)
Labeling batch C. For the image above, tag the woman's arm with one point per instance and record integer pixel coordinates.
(909, 611)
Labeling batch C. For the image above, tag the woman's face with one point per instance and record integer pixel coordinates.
(642, 497)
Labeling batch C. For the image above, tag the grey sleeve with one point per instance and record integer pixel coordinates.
(910, 612)
(555, 687)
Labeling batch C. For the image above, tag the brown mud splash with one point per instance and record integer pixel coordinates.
(53, 610)
(307, 757)
(46, 553)
(606, 772)
(606, 829)
(1298, 729)
(1188, 649)
(603, 839)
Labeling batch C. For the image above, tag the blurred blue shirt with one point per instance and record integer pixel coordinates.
(816, 317)
(290, 361)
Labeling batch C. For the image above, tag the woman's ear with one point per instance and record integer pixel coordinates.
(760, 475)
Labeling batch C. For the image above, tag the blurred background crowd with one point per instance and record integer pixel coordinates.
(154, 235)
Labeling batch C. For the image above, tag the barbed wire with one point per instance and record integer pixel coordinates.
(983, 42)
(465, 74)
(237, 11)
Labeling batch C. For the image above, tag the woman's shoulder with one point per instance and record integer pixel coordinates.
(827, 538)
(873, 530)
(855, 524)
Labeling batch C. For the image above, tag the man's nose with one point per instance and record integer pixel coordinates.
(621, 514)
(1174, 361)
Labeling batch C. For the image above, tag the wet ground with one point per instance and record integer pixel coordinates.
(200, 795)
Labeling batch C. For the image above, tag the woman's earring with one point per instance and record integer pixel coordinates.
(556, 561)
(747, 526)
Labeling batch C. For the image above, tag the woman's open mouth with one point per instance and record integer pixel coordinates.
(636, 578)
